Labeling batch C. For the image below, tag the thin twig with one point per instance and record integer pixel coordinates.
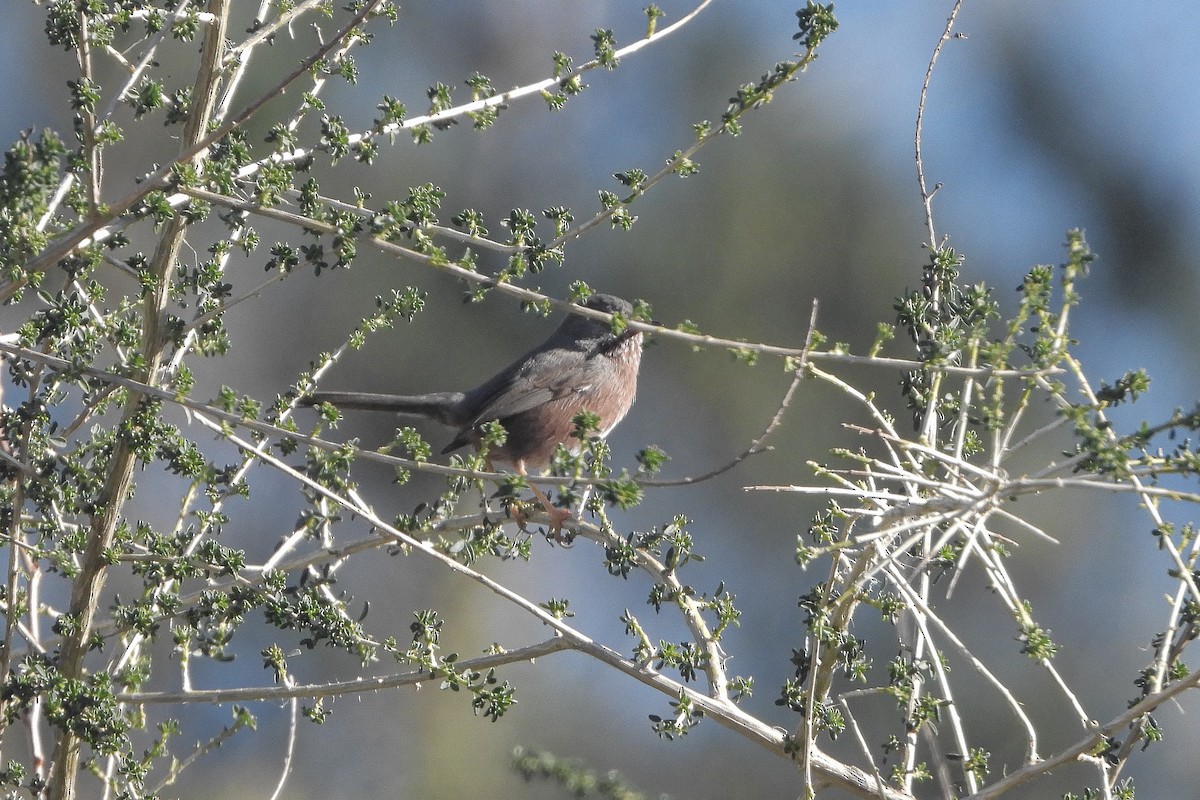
(926, 195)
(290, 752)
(312, 691)
(760, 443)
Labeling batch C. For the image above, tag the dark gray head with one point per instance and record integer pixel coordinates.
(595, 332)
(608, 303)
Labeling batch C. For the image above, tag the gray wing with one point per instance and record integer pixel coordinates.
(543, 379)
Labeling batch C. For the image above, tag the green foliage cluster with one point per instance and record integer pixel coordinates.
(96, 373)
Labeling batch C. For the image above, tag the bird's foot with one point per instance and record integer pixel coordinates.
(558, 518)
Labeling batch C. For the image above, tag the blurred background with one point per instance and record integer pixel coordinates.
(1046, 116)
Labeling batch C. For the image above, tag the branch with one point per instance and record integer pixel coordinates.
(247, 694)
(524, 295)
(87, 585)
(926, 195)
(1087, 744)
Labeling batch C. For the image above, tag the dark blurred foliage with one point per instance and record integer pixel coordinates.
(1137, 212)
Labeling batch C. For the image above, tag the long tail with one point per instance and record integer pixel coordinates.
(443, 407)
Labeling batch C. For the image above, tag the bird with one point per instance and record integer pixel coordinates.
(585, 365)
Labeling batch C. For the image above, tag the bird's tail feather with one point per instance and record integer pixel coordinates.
(440, 406)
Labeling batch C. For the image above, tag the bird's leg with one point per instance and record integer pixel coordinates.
(557, 515)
